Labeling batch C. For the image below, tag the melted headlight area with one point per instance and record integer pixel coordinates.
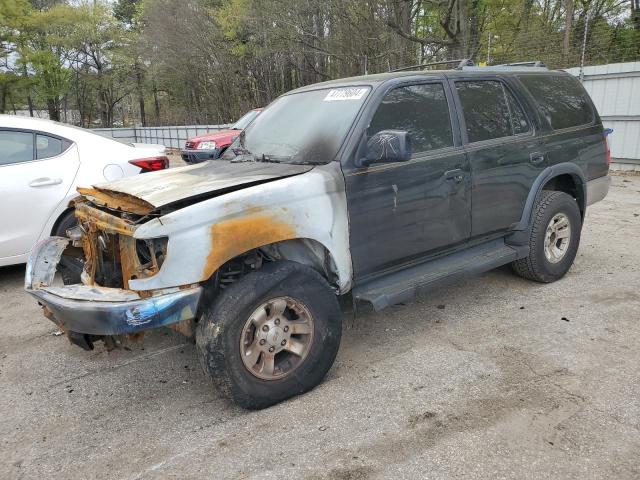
(112, 256)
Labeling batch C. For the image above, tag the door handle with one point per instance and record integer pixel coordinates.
(536, 157)
(456, 175)
(45, 182)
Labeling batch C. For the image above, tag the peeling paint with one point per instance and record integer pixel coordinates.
(117, 200)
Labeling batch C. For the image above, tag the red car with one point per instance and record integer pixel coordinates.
(211, 145)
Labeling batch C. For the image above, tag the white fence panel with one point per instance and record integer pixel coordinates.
(615, 90)
(169, 136)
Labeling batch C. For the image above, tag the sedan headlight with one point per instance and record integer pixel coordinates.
(206, 145)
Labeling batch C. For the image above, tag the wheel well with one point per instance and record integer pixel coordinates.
(306, 251)
(569, 184)
(56, 224)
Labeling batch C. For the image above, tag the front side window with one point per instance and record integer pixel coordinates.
(15, 147)
(561, 98)
(421, 110)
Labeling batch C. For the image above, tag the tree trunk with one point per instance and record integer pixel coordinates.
(473, 41)
(3, 98)
(156, 102)
(54, 109)
(462, 27)
(103, 105)
(140, 85)
(29, 99)
(568, 22)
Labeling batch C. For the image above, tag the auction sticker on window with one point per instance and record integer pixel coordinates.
(345, 94)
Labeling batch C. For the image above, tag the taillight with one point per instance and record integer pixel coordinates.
(151, 164)
(607, 152)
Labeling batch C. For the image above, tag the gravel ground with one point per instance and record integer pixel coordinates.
(494, 377)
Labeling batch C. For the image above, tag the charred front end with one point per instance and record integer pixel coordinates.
(98, 260)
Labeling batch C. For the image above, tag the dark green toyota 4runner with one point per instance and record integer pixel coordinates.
(379, 186)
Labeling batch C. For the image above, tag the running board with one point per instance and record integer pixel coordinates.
(404, 285)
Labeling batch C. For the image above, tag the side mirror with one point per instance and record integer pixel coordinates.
(387, 146)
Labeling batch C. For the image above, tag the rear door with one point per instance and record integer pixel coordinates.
(36, 172)
(505, 155)
(400, 212)
(570, 114)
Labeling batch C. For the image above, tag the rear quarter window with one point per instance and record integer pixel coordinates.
(47, 147)
(561, 99)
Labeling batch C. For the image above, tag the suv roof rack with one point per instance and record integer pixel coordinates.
(465, 62)
(533, 63)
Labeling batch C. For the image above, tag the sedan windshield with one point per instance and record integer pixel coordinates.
(305, 127)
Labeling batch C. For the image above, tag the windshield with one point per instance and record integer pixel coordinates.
(246, 119)
(306, 127)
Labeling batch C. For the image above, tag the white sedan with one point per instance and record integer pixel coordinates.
(41, 164)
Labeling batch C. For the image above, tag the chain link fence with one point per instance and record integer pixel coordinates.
(590, 42)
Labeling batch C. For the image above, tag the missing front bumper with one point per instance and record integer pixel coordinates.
(97, 310)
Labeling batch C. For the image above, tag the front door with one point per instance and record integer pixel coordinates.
(36, 172)
(401, 212)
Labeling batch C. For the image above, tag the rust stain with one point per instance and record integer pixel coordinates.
(131, 266)
(120, 247)
(233, 237)
(117, 200)
(104, 221)
(128, 259)
(185, 327)
(135, 337)
(90, 250)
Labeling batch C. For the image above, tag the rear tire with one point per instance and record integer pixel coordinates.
(554, 240)
(259, 314)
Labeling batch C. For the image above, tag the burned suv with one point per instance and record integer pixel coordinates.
(376, 186)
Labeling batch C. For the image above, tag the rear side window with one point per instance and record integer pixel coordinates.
(560, 98)
(15, 147)
(486, 114)
(490, 110)
(421, 110)
(47, 146)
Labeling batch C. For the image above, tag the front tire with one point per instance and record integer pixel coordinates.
(554, 240)
(271, 335)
